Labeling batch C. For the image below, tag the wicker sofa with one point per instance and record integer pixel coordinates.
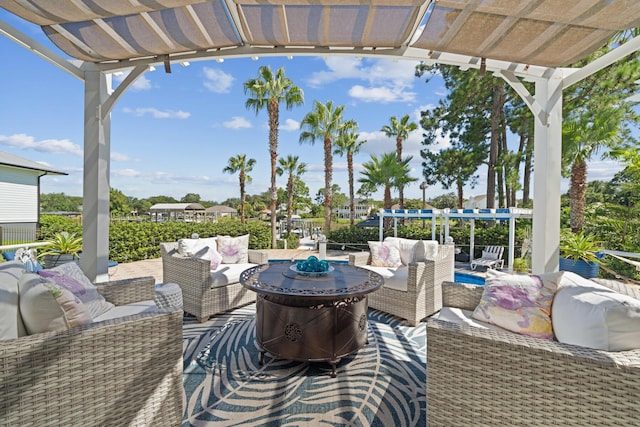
(123, 371)
(494, 378)
(421, 297)
(206, 292)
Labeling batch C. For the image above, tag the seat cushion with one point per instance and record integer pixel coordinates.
(128, 310)
(45, 306)
(11, 325)
(394, 277)
(591, 315)
(227, 274)
(463, 317)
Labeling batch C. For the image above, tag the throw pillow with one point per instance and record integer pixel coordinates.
(189, 247)
(9, 255)
(489, 255)
(28, 257)
(45, 306)
(410, 250)
(234, 250)
(430, 249)
(211, 255)
(591, 315)
(384, 254)
(519, 303)
(69, 276)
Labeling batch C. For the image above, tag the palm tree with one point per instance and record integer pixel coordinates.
(347, 143)
(239, 164)
(269, 90)
(399, 129)
(583, 137)
(295, 170)
(386, 172)
(325, 123)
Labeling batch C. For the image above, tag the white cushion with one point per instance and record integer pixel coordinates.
(463, 317)
(489, 255)
(234, 250)
(385, 254)
(46, 306)
(128, 310)
(394, 277)
(587, 314)
(11, 325)
(71, 277)
(430, 249)
(410, 250)
(211, 255)
(189, 247)
(227, 274)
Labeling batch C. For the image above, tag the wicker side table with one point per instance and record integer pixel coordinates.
(168, 295)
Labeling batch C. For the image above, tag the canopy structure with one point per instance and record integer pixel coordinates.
(517, 40)
(444, 215)
(177, 211)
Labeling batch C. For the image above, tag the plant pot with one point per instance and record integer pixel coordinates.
(51, 261)
(585, 269)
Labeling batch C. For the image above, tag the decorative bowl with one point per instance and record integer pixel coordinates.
(311, 273)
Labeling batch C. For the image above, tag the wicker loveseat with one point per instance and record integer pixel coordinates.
(419, 294)
(490, 377)
(206, 292)
(123, 371)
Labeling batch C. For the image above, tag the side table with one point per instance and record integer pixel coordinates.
(168, 295)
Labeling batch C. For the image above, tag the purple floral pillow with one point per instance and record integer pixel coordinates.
(519, 303)
(385, 254)
(234, 250)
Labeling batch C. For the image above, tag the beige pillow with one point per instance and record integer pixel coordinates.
(410, 250)
(189, 247)
(384, 254)
(234, 250)
(46, 306)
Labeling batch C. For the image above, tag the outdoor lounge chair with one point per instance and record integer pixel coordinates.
(491, 258)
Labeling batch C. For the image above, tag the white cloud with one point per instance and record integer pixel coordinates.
(119, 157)
(126, 172)
(157, 114)
(57, 146)
(290, 125)
(380, 94)
(237, 122)
(217, 81)
(141, 83)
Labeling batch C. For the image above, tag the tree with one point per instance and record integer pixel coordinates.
(239, 164)
(444, 201)
(118, 203)
(386, 172)
(268, 91)
(347, 143)
(294, 169)
(324, 123)
(399, 129)
(59, 202)
(190, 198)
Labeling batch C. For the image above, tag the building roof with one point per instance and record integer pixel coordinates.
(220, 209)
(176, 207)
(12, 160)
(546, 33)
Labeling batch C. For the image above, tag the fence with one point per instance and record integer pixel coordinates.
(13, 235)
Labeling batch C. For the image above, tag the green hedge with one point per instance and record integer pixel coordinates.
(133, 241)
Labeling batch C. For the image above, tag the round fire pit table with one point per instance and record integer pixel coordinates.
(311, 318)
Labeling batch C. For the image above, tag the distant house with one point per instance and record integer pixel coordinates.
(218, 211)
(188, 212)
(362, 209)
(20, 196)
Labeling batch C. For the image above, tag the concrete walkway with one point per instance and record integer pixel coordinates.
(153, 267)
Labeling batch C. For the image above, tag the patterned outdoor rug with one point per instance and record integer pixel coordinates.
(383, 384)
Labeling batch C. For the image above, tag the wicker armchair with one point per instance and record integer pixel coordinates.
(193, 275)
(493, 378)
(423, 295)
(125, 371)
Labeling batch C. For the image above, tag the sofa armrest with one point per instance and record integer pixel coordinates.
(524, 375)
(258, 256)
(127, 291)
(87, 375)
(359, 258)
(192, 273)
(461, 295)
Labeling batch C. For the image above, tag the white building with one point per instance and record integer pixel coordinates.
(362, 209)
(20, 196)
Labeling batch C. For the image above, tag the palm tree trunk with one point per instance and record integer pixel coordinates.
(526, 180)
(577, 190)
(328, 168)
(289, 203)
(387, 205)
(496, 114)
(273, 109)
(352, 203)
(242, 197)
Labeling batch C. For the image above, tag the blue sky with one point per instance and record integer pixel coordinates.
(173, 134)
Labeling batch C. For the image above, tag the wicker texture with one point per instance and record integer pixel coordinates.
(120, 372)
(194, 278)
(423, 296)
(482, 377)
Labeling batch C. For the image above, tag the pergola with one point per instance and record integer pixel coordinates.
(517, 40)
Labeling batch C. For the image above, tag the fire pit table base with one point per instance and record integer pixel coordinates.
(289, 329)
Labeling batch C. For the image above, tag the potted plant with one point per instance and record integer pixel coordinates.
(578, 254)
(65, 247)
